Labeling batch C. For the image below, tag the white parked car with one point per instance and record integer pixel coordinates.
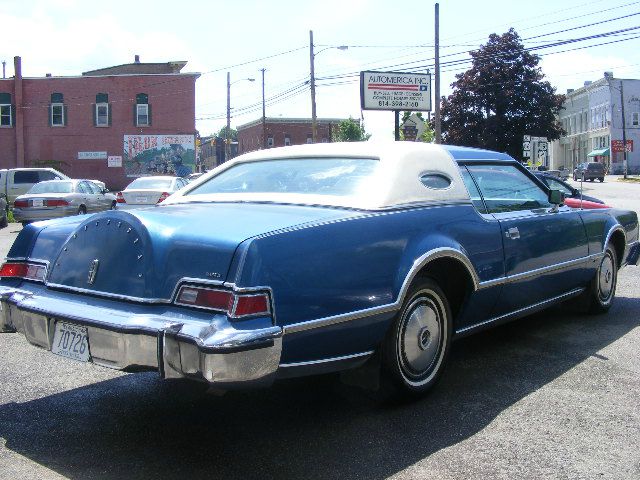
(148, 191)
(61, 198)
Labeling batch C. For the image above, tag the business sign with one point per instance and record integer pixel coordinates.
(616, 146)
(146, 155)
(92, 155)
(395, 91)
(114, 161)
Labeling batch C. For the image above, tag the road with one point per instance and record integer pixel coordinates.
(550, 396)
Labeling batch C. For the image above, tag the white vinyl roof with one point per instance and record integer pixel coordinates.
(395, 183)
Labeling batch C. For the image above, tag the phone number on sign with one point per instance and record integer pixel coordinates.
(397, 103)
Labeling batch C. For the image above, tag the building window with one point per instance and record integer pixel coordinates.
(309, 138)
(635, 119)
(142, 111)
(287, 140)
(6, 119)
(57, 115)
(270, 141)
(6, 110)
(325, 140)
(102, 111)
(57, 111)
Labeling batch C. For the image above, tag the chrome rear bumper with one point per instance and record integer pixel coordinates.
(177, 342)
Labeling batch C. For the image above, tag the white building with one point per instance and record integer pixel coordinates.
(593, 120)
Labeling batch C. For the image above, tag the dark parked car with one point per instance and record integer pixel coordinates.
(569, 192)
(309, 259)
(589, 171)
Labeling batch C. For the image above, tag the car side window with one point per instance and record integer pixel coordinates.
(474, 193)
(46, 175)
(92, 187)
(556, 185)
(504, 188)
(82, 188)
(28, 176)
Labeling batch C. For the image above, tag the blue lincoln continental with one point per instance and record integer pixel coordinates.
(304, 260)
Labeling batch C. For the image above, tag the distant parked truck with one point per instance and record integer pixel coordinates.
(589, 171)
(18, 181)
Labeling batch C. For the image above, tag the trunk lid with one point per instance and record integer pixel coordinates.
(143, 254)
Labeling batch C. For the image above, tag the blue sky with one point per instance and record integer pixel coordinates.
(67, 37)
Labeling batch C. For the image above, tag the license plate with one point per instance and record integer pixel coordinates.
(38, 202)
(71, 341)
(142, 199)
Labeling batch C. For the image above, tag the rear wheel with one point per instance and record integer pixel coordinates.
(82, 210)
(416, 347)
(4, 222)
(602, 288)
(113, 205)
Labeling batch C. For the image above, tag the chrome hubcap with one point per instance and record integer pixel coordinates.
(421, 336)
(605, 278)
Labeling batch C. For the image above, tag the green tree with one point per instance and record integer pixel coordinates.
(349, 131)
(233, 133)
(502, 97)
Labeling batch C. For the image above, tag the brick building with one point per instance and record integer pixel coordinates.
(79, 125)
(280, 132)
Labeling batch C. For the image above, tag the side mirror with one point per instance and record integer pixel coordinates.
(556, 197)
(105, 190)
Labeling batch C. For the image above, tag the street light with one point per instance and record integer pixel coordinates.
(314, 120)
(227, 148)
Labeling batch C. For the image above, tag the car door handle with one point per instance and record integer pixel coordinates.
(513, 233)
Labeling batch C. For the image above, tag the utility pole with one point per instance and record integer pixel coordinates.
(4, 69)
(314, 120)
(624, 131)
(437, 76)
(227, 146)
(264, 115)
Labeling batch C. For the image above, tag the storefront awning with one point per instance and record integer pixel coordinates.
(603, 152)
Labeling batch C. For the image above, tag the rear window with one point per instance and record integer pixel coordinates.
(150, 184)
(595, 166)
(313, 176)
(52, 187)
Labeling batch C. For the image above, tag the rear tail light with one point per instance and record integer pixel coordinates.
(234, 304)
(57, 203)
(120, 198)
(29, 271)
(21, 204)
(163, 197)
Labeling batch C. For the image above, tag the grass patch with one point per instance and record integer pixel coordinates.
(629, 179)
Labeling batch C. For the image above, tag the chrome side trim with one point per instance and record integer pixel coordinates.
(539, 271)
(335, 319)
(327, 360)
(518, 313)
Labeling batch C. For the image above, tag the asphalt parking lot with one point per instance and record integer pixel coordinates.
(555, 395)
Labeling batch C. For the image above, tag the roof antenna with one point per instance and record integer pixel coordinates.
(581, 181)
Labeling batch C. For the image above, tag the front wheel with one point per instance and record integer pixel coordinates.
(415, 349)
(4, 222)
(601, 179)
(602, 288)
